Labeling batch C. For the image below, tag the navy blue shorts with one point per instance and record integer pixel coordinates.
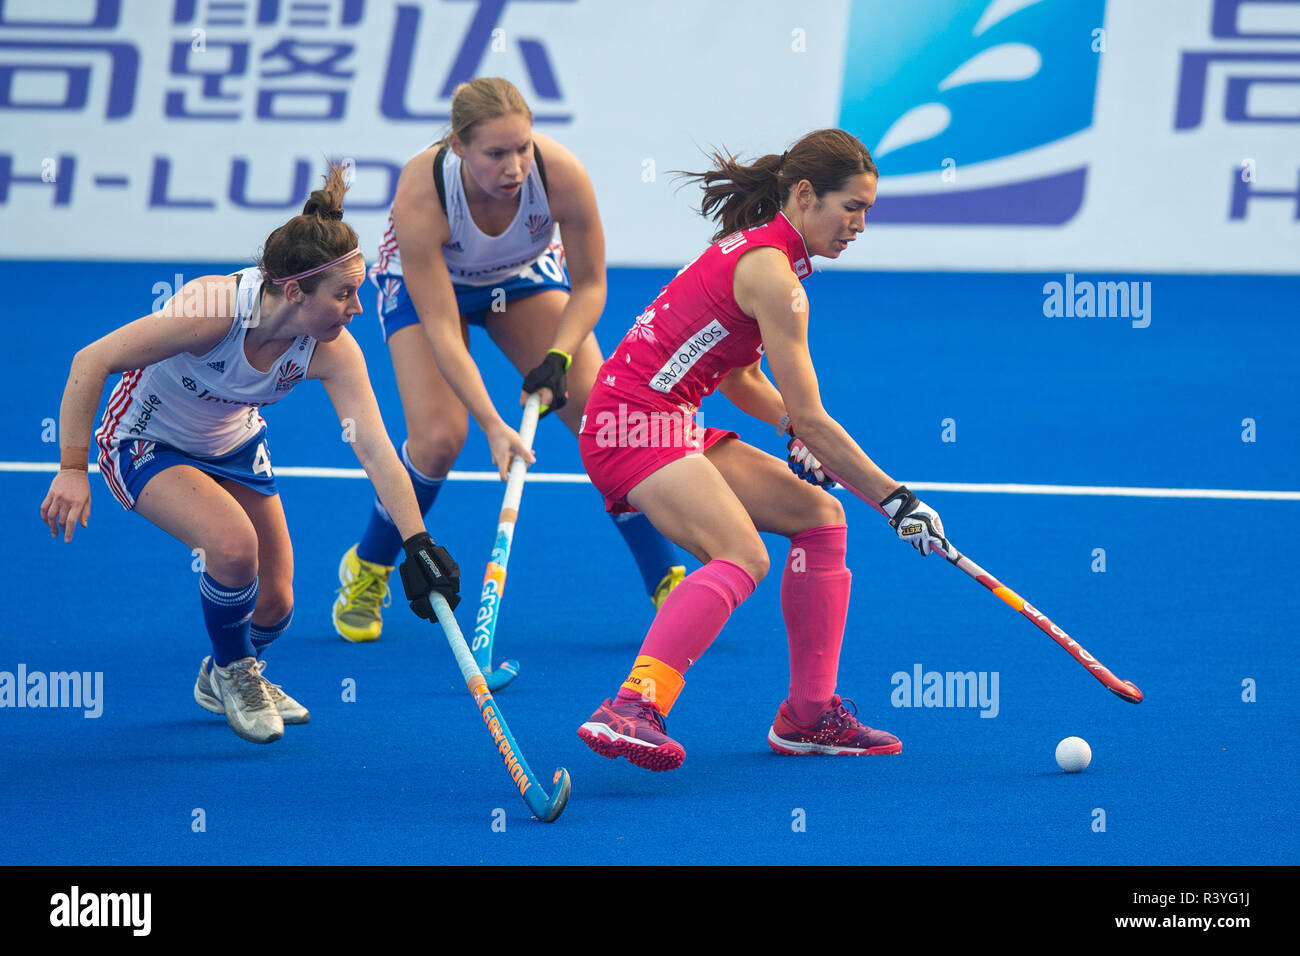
(396, 311)
(127, 466)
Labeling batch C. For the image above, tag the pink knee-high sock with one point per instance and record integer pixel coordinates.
(693, 615)
(815, 604)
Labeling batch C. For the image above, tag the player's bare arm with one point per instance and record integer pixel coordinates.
(341, 368)
(421, 228)
(573, 206)
(149, 339)
(753, 393)
(766, 288)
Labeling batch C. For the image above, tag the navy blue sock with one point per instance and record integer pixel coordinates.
(227, 612)
(654, 554)
(263, 636)
(382, 543)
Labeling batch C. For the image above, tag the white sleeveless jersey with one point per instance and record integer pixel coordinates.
(472, 256)
(205, 406)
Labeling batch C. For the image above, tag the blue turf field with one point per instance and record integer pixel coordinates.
(1197, 596)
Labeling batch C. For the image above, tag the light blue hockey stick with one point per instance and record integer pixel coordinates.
(546, 807)
(494, 579)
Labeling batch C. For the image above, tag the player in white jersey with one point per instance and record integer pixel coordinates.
(183, 443)
(471, 242)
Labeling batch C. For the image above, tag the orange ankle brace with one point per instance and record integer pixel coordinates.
(656, 682)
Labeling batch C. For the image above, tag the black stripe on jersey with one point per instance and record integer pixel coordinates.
(541, 168)
(438, 178)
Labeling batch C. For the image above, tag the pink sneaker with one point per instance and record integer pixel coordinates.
(633, 729)
(835, 731)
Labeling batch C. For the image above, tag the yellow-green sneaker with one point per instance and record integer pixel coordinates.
(669, 581)
(363, 593)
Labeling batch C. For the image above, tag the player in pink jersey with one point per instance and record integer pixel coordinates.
(711, 493)
(183, 443)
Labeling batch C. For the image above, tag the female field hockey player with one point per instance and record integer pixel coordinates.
(183, 444)
(470, 242)
(712, 494)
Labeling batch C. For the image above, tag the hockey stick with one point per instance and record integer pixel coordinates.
(545, 808)
(1124, 689)
(494, 578)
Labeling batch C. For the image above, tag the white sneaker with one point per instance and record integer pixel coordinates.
(245, 697)
(291, 712)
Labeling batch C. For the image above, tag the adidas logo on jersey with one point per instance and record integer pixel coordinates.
(453, 247)
(218, 367)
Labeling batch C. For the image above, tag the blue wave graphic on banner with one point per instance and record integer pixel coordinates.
(935, 80)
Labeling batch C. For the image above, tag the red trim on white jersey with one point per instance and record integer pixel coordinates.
(109, 460)
(387, 246)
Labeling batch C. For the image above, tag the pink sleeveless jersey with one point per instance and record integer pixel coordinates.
(681, 346)
(693, 334)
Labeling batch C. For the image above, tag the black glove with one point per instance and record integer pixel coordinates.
(428, 568)
(551, 374)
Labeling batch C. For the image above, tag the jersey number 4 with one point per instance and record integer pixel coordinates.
(262, 461)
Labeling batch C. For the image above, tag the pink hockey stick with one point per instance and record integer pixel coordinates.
(1124, 689)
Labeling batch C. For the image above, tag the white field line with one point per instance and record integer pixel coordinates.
(570, 478)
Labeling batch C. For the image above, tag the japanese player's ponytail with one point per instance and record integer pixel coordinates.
(317, 236)
(738, 196)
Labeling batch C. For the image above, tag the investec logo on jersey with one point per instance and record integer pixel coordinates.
(147, 407)
(207, 395)
(962, 101)
(687, 354)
